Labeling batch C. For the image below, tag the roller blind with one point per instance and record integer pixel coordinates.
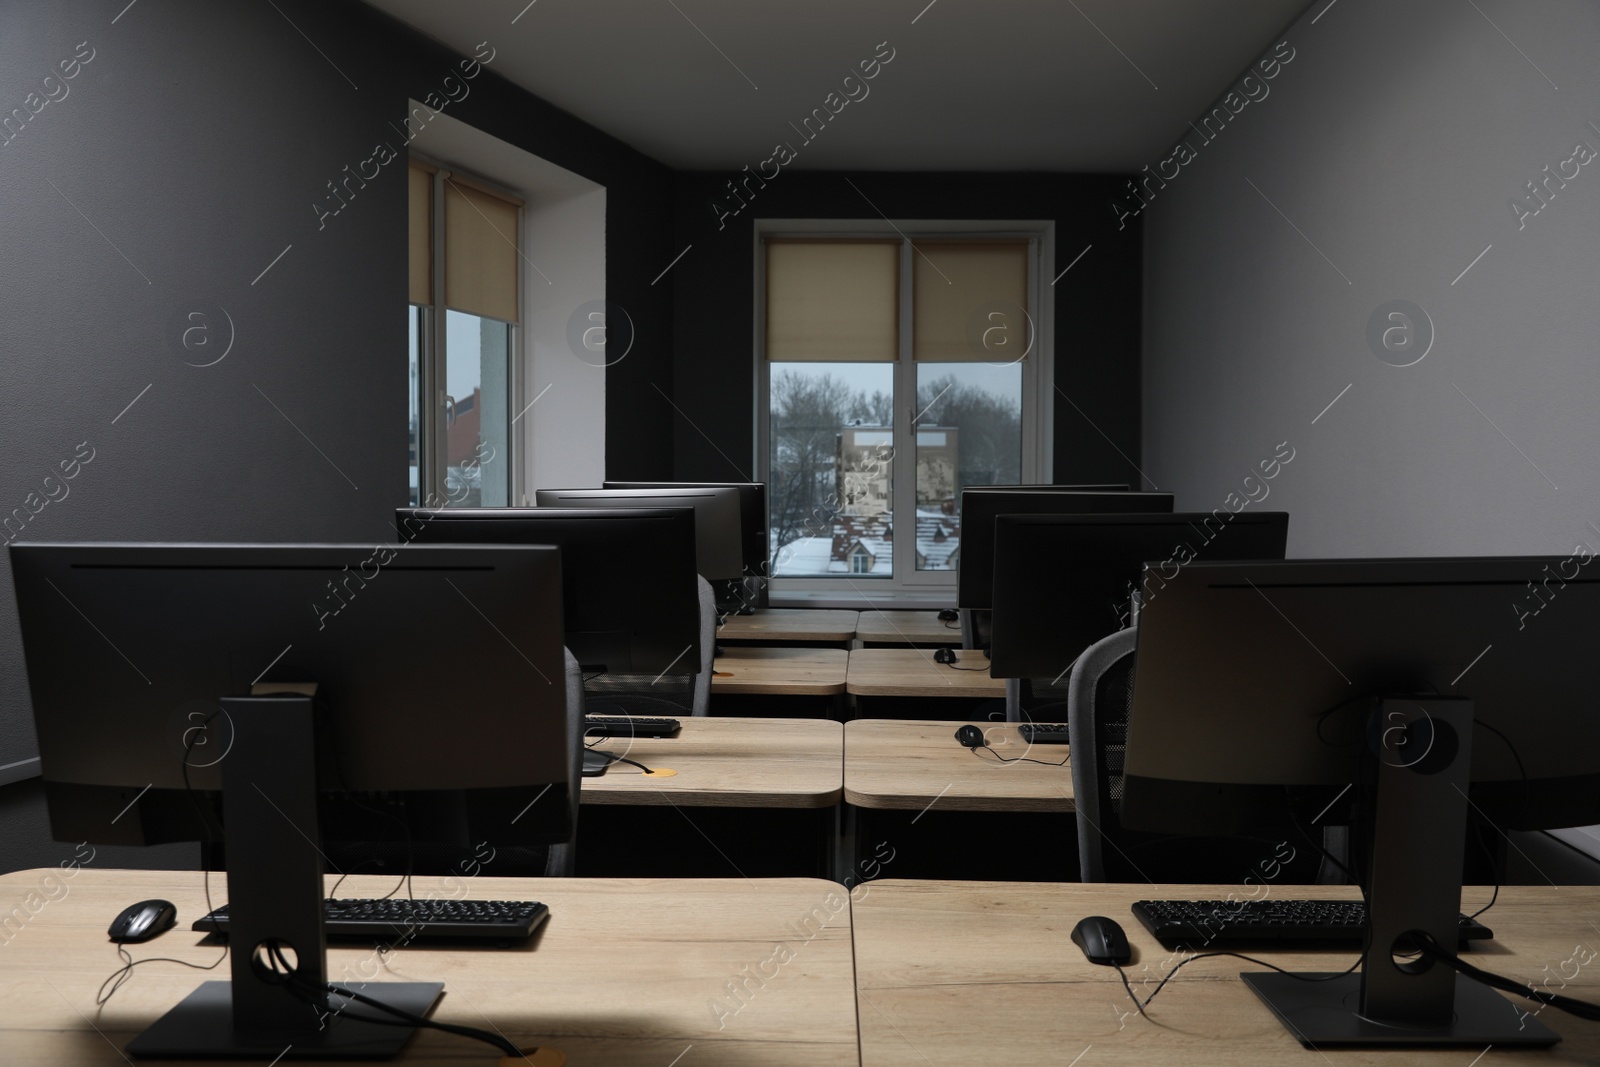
(421, 233)
(834, 301)
(480, 251)
(969, 299)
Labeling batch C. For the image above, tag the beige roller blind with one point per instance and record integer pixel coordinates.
(480, 251)
(421, 230)
(969, 299)
(835, 301)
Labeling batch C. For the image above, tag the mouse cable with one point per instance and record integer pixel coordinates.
(953, 667)
(1020, 759)
(1141, 1005)
(1583, 1009)
(117, 977)
(120, 976)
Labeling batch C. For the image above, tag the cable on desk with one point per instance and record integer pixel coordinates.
(120, 976)
(1236, 955)
(284, 974)
(1583, 1009)
(1019, 759)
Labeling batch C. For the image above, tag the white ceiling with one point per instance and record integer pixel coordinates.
(1061, 85)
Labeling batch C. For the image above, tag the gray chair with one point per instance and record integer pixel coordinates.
(393, 855)
(562, 859)
(1099, 697)
(708, 646)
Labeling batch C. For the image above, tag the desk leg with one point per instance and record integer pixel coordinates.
(843, 859)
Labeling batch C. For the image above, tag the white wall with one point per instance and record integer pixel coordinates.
(566, 429)
(1393, 142)
(563, 269)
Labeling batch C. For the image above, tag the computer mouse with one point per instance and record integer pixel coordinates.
(949, 615)
(944, 655)
(971, 736)
(142, 921)
(1102, 940)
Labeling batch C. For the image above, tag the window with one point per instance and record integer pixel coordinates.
(463, 318)
(922, 348)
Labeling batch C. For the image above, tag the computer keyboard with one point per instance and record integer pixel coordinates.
(425, 919)
(628, 726)
(1204, 921)
(1044, 733)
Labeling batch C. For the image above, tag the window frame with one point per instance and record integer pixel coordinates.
(433, 442)
(907, 585)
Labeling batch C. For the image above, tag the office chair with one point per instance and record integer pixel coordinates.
(662, 695)
(1099, 696)
(392, 855)
(562, 859)
(708, 649)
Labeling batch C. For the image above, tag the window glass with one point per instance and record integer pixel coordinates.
(968, 432)
(830, 486)
(477, 461)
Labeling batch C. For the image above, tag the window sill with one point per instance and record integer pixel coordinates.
(864, 600)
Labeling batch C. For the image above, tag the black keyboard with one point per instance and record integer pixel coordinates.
(1202, 921)
(628, 726)
(426, 919)
(1044, 733)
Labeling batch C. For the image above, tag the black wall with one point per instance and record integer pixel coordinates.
(196, 141)
(1097, 303)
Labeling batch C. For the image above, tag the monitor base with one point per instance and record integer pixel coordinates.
(1323, 1015)
(201, 1027)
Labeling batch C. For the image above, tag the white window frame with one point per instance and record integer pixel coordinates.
(909, 586)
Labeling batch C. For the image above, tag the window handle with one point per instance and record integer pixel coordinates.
(448, 402)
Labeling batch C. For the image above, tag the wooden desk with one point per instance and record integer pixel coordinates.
(910, 672)
(985, 972)
(624, 972)
(790, 624)
(780, 671)
(911, 763)
(921, 628)
(728, 762)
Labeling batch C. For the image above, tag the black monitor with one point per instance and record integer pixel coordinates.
(264, 693)
(979, 507)
(1062, 582)
(1405, 690)
(751, 590)
(631, 601)
(716, 518)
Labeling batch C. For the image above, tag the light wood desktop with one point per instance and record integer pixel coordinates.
(780, 671)
(790, 624)
(913, 763)
(624, 972)
(913, 672)
(921, 628)
(727, 762)
(986, 972)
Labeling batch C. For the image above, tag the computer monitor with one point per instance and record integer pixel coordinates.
(1062, 582)
(979, 507)
(631, 601)
(1403, 689)
(716, 518)
(750, 591)
(263, 693)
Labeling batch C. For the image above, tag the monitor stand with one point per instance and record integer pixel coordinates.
(275, 896)
(1421, 764)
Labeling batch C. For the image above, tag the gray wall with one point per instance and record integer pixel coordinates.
(1393, 142)
(182, 159)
